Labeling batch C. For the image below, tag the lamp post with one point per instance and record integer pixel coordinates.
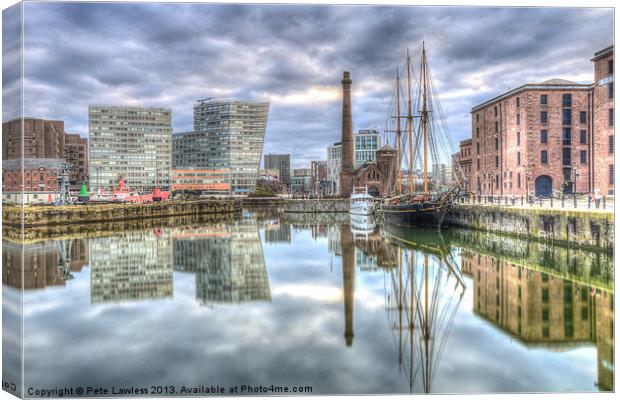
(576, 174)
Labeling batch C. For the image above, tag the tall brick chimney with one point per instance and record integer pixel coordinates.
(346, 169)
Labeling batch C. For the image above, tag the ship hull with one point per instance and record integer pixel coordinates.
(422, 214)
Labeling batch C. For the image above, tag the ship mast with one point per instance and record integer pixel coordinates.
(398, 149)
(410, 122)
(424, 119)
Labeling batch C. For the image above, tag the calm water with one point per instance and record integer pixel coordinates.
(343, 308)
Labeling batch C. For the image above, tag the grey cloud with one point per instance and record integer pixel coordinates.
(171, 54)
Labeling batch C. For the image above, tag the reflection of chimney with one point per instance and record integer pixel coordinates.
(346, 169)
(348, 280)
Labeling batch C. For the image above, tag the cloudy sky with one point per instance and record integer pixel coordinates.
(292, 56)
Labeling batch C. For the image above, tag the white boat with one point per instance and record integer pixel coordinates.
(362, 225)
(361, 202)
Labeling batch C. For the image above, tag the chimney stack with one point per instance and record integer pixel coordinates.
(348, 149)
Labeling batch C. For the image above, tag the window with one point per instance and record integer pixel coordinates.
(495, 110)
(567, 100)
(583, 155)
(566, 156)
(518, 119)
(518, 102)
(496, 126)
(566, 116)
(497, 161)
(611, 174)
(519, 180)
(566, 134)
(477, 132)
(543, 156)
(611, 144)
(583, 117)
(518, 138)
(610, 66)
(611, 117)
(543, 136)
(496, 144)
(477, 117)
(543, 99)
(610, 90)
(543, 117)
(478, 164)
(583, 137)
(477, 148)
(518, 158)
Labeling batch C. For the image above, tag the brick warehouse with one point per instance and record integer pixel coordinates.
(540, 139)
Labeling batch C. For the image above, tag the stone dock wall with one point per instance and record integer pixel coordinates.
(316, 205)
(591, 228)
(96, 213)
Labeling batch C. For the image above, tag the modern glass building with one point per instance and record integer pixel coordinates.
(132, 143)
(227, 135)
(281, 162)
(367, 142)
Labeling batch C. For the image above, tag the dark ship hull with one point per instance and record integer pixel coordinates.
(429, 214)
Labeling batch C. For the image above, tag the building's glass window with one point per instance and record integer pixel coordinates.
(519, 180)
(543, 136)
(583, 117)
(496, 126)
(495, 108)
(611, 144)
(611, 117)
(566, 156)
(543, 117)
(518, 119)
(566, 136)
(543, 99)
(610, 66)
(477, 148)
(496, 161)
(610, 90)
(496, 144)
(518, 102)
(583, 155)
(477, 132)
(566, 116)
(518, 138)
(477, 117)
(583, 136)
(518, 158)
(543, 156)
(567, 100)
(611, 174)
(478, 164)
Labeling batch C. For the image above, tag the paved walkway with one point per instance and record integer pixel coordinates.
(580, 202)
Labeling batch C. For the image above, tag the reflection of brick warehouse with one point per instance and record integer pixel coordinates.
(42, 262)
(543, 310)
(130, 267)
(229, 266)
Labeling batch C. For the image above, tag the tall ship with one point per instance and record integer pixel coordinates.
(425, 139)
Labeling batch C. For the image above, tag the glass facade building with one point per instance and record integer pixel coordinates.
(227, 135)
(134, 143)
(367, 142)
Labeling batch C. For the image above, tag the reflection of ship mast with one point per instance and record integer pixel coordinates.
(426, 301)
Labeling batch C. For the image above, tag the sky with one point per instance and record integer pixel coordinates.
(170, 55)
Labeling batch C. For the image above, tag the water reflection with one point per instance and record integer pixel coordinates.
(452, 303)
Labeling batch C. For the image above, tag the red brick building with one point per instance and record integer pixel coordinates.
(603, 145)
(41, 138)
(76, 154)
(461, 165)
(545, 138)
(34, 181)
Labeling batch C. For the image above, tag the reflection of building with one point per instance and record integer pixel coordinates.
(278, 233)
(44, 264)
(131, 266)
(227, 260)
(542, 309)
(130, 142)
(281, 162)
(348, 281)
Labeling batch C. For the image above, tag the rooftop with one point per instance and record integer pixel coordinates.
(32, 163)
(603, 53)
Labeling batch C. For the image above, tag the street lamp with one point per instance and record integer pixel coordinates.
(576, 174)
